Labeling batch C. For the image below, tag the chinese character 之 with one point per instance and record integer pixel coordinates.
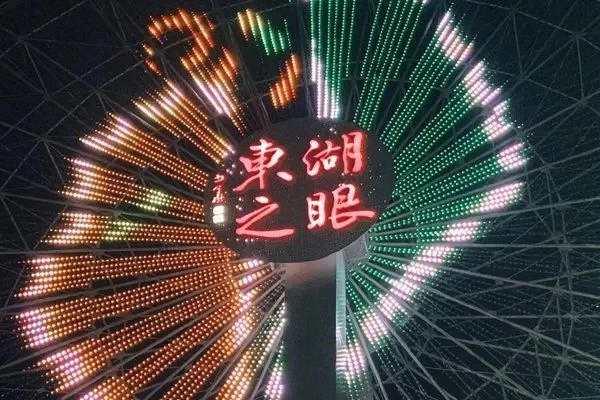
(248, 222)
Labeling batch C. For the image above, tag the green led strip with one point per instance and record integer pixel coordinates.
(272, 40)
(389, 42)
(332, 25)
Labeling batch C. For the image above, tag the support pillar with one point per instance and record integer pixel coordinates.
(315, 297)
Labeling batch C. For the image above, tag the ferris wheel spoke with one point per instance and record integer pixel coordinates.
(363, 343)
(539, 245)
(383, 319)
(76, 78)
(508, 255)
(89, 155)
(513, 177)
(485, 379)
(501, 374)
(211, 390)
(105, 209)
(512, 324)
(266, 384)
(510, 349)
(518, 283)
(256, 98)
(262, 345)
(557, 28)
(447, 336)
(162, 310)
(135, 278)
(514, 283)
(52, 348)
(518, 316)
(147, 370)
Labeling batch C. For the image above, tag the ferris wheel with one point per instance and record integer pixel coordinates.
(304, 200)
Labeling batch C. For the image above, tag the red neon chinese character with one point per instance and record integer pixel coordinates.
(353, 154)
(265, 156)
(317, 210)
(219, 178)
(315, 159)
(345, 210)
(249, 221)
(219, 196)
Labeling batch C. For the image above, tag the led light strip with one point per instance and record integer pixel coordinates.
(274, 41)
(214, 75)
(79, 228)
(119, 138)
(90, 182)
(285, 90)
(332, 31)
(52, 274)
(238, 382)
(387, 48)
(444, 54)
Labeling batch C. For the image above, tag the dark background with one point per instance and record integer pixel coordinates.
(63, 64)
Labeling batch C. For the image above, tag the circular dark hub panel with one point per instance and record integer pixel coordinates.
(299, 190)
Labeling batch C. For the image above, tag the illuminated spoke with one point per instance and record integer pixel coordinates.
(447, 155)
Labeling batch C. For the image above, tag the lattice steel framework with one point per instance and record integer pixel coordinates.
(515, 318)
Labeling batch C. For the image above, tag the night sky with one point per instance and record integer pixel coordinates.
(64, 64)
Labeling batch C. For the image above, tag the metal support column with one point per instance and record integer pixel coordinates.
(313, 332)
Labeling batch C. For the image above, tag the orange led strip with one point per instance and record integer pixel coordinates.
(285, 90)
(190, 383)
(76, 363)
(52, 274)
(49, 323)
(215, 76)
(172, 112)
(120, 138)
(80, 228)
(93, 183)
(244, 373)
(90, 357)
